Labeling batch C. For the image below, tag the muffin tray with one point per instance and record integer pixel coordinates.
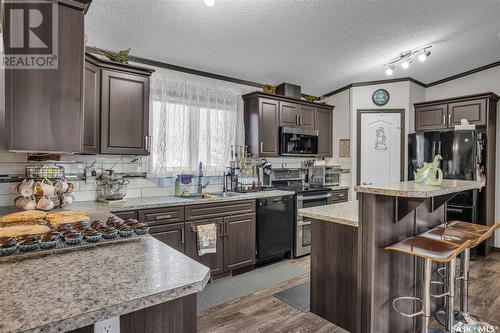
(61, 246)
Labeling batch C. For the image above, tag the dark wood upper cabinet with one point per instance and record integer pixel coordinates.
(116, 114)
(474, 111)
(446, 113)
(124, 113)
(91, 107)
(289, 114)
(44, 107)
(214, 261)
(266, 113)
(307, 116)
(262, 126)
(324, 124)
(431, 117)
(239, 241)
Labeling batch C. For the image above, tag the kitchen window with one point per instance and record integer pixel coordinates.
(192, 121)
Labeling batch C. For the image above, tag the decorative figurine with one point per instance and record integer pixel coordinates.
(430, 173)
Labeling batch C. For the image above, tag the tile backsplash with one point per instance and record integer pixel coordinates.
(15, 163)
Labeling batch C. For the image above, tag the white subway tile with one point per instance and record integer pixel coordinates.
(7, 199)
(133, 193)
(85, 195)
(157, 191)
(8, 188)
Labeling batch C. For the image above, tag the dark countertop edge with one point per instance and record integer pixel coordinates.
(73, 323)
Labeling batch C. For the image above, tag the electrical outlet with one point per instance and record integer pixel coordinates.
(111, 325)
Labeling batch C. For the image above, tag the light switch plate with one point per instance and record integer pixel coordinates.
(111, 325)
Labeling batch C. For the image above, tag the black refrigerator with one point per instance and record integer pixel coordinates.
(463, 158)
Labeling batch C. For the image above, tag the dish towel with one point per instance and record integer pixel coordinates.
(207, 238)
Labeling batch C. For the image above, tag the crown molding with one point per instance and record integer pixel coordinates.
(425, 85)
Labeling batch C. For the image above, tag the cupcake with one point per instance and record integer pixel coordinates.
(141, 228)
(49, 240)
(82, 225)
(72, 237)
(108, 232)
(28, 243)
(131, 222)
(8, 246)
(97, 223)
(125, 231)
(91, 235)
(64, 227)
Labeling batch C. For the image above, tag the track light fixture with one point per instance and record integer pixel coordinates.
(406, 58)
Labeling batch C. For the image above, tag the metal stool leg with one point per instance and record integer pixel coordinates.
(464, 282)
(450, 309)
(426, 297)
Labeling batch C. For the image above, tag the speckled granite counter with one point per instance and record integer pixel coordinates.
(343, 213)
(166, 201)
(45, 295)
(416, 190)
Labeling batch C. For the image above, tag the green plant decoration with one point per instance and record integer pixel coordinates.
(121, 57)
(310, 98)
(430, 173)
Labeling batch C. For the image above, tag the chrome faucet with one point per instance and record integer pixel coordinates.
(200, 176)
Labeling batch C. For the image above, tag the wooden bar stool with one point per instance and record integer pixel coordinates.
(457, 232)
(429, 250)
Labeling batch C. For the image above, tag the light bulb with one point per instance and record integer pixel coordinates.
(209, 3)
(389, 70)
(405, 64)
(422, 57)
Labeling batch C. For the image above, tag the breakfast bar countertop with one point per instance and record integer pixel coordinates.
(343, 213)
(66, 291)
(411, 189)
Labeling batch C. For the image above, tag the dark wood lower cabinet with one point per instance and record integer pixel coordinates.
(214, 261)
(176, 316)
(171, 234)
(239, 241)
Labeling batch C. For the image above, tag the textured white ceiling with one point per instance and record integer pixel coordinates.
(321, 45)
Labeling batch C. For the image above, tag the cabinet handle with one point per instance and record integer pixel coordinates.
(449, 118)
(300, 120)
(163, 217)
(221, 231)
(182, 235)
(226, 232)
(147, 143)
(444, 119)
(261, 147)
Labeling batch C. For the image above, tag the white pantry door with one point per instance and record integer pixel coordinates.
(380, 150)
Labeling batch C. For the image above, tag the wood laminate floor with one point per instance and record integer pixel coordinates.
(262, 312)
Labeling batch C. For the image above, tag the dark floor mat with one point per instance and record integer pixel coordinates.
(298, 297)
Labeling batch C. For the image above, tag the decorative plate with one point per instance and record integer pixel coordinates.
(380, 97)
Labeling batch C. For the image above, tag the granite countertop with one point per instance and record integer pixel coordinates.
(168, 201)
(343, 213)
(415, 190)
(65, 291)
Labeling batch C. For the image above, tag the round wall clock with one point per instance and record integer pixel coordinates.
(380, 97)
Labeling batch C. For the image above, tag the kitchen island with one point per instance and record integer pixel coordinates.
(353, 279)
(147, 283)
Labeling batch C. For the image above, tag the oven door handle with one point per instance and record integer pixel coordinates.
(313, 197)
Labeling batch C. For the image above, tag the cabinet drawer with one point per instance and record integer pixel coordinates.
(132, 214)
(206, 211)
(162, 215)
(339, 195)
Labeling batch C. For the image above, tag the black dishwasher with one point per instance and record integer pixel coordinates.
(275, 222)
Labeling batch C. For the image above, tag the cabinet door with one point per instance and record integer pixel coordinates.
(474, 111)
(124, 113)
(239, 241)
(44, 107)
(268, 127)
(172, 234)
(289, 113)
(214, 261)
(324, 123)
(91, 108)
(307, 117)
(431, 117)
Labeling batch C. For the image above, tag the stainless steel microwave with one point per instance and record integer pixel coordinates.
(298, 142)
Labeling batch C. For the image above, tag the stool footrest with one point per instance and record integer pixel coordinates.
(408, 298)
